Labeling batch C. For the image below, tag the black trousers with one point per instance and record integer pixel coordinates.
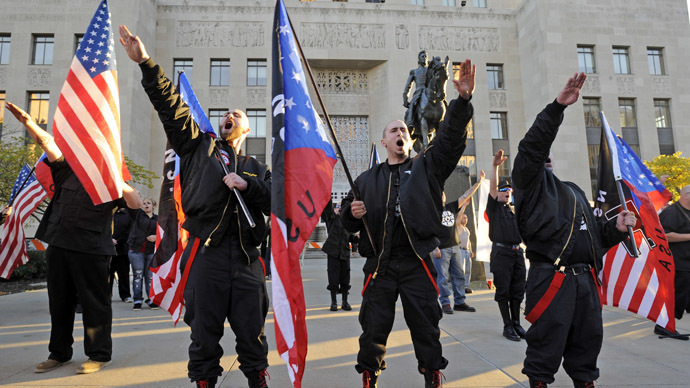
(682, 293)
(338, 274)
(508, 267)
(407, 278)
(120, 265)
(222, 285)
(71, 273)
(570, 329)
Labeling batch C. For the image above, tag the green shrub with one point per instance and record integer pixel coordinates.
(34, 268)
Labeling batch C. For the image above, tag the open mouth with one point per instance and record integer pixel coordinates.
(229, 124)
(400, 143)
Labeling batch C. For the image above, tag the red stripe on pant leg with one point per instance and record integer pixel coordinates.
(433, 281)
(263, 265)
(547, 298)
(366, 284)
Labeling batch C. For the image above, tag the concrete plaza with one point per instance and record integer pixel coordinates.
(149, 352)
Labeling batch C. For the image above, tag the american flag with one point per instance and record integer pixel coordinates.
(303, 161)
(642, 285)
(87, 120)
(12, 245)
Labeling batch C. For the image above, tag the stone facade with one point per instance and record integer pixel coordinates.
(361, 54)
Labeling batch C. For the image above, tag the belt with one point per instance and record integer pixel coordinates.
(514, 247)
(575, 269)
(464, 249)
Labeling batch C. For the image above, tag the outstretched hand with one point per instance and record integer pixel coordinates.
(19, 113)
(133, 45)
(465, 82)
(499, 158)
(571, 91)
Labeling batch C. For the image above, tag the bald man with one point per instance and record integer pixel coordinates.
(676, 222)
(401, 201)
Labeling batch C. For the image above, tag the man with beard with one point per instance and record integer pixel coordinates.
(401, 199)
(226, 279)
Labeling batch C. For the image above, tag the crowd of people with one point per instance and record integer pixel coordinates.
(420, 249)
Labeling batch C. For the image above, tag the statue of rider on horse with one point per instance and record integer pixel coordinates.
(426, 109)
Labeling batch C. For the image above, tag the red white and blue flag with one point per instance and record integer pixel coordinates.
(642, 285)
(44, 176)
(27, 194)
(87, 119)
(303, 161)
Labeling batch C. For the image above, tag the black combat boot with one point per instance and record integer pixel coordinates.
(515, 313)
(207, 383)
(334, 300)
(346, 306)
(369, 379)
(508, 330)
(432, 379)
(583, 384)
(257, 378)
(537, 384)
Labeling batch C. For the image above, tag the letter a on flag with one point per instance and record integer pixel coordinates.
(303, 161)
(642, 285)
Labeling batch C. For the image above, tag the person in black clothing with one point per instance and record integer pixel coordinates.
(226, 278)
(265, 250)
(120, 262)
(141, 242)
(507, 261)
(79, 235)
(564, 242)
(675, 220)
(401, 199)
(337, 247)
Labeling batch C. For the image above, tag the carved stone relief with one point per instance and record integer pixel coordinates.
(402, 37)
(592, 85)
(256, 96)
(342, 81)
(661, 86)
(219, 97)
(626, 85)
(219, 34)
(353, 136)
(497, 100)
(38, 78)
(341, 35)
(342, 104)
(459, 39)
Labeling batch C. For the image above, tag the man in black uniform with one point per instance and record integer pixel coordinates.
(565, 245)
(226, 279)
(120, 262)
(402, 200)
(676, 222)
(507, 261)
(79, 235)
(337, 247)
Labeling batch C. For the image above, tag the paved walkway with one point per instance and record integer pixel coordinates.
(150, 352)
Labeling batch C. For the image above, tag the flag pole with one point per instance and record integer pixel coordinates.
(22, 186)
(634, 253)
(334, 138)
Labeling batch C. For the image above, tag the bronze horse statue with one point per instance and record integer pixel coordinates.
(431, 107)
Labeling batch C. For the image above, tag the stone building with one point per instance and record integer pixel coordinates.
(361, 53)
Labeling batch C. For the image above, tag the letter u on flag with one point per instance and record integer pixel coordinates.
(303, 161)
(642, 285)
(87, 119)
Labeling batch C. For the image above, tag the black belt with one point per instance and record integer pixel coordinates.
(575, 269)
(464, 249)
(514, 247)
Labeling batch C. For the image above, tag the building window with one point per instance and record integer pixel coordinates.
(214, 116)
(456, 70)
(495, 74)
(626, 107)
(2, 111)
(417, 2)
(220, 72)
(504, 169)
(448, 3)
(77, 41)
(621, 61)
(186, 65)
(256, 72)
(5, 41)
(43, 50)
(38, 108)
(499, 125)
(469, 161)
(585, 59)
(257, 122)
(479, 3)
(593, 158)
(655, 57)
(664, 128)
(592, 108)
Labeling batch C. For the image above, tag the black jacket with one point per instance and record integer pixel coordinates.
(338, 242)
(209, 205)
(121, 223)
(421, 183)
(544, 205)
(141, 227)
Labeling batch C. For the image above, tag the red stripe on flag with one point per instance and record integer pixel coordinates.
(640, 288)
(105, 89)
